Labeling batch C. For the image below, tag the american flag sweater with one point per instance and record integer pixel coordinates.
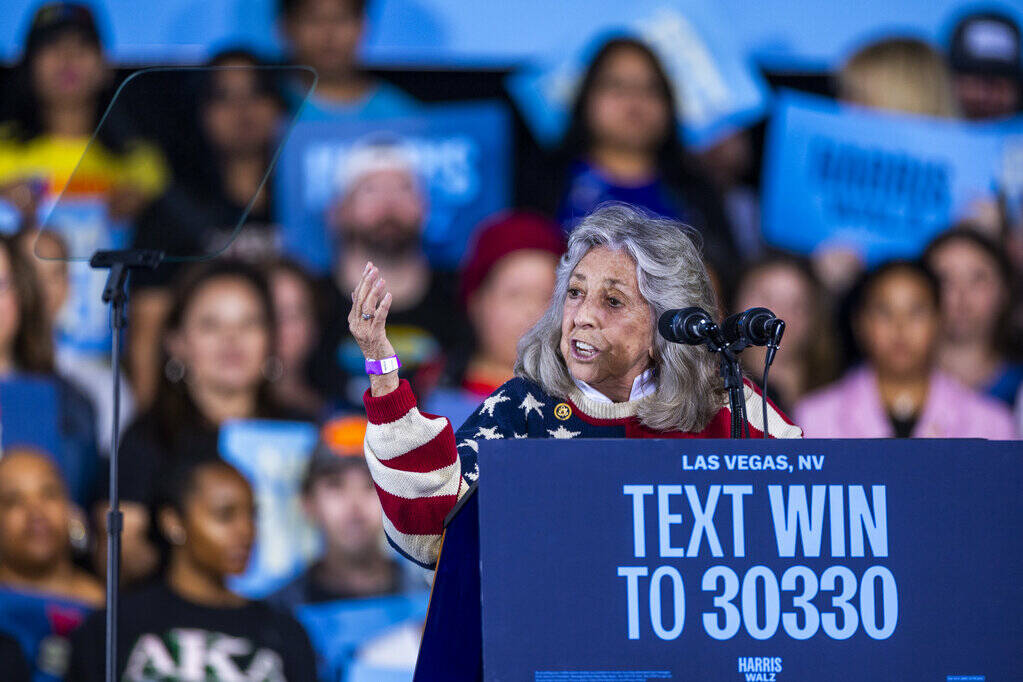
(421, 466)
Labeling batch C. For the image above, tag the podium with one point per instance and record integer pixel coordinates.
(635, 560)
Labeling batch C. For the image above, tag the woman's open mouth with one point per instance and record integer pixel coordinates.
(582, 351)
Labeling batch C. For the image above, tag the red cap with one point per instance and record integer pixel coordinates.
(503, 235)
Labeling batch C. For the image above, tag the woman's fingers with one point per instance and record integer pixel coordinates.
(370, 275)
(373, 296)
(382, 310)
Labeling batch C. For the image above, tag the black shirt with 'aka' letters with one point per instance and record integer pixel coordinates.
(166, 638)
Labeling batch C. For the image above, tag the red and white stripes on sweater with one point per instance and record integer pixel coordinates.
(421, 466)
(414, 463)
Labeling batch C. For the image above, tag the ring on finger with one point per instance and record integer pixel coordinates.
(367, 316)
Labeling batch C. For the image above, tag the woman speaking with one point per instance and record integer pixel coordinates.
(594, 366)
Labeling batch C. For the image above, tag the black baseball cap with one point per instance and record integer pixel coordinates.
(54, 19)
(986, 44)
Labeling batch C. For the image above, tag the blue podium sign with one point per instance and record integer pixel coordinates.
(732, 560)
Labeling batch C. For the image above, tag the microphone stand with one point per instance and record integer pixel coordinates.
(115, 292)
(731, 372)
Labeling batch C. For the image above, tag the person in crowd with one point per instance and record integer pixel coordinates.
(52, 273)
(984, 54)
(976, 281)
(59, 92)
(506, 283)
(27, 351)
(35, 517)
(190, 625)
(204, 212)
(60, 85)
(295, 309)
(899, 392)
(91, 379)
(594, 366)
(325, 35)
(379, 215)
(43, 594)
(728, 163)
(894, 74)
(217, 353)
(339, 498)
(809, 353)
(622, 144)
(899, 74)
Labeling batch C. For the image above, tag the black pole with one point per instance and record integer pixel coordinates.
(731, 372)
(114, 515)
(115, 292)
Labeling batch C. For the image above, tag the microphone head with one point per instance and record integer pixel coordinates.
(756, 324)
(750, 326)
(681, 326)
(664, 324)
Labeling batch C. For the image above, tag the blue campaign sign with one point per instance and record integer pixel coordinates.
(273, 456)
(751, 560)
(881, 183)
(83, 325)
(716, 87)
(339, 629)
(460, 152)
(30, 415)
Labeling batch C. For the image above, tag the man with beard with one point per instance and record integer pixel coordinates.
(378, 216)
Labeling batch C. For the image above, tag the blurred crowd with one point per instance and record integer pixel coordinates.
(925, 347)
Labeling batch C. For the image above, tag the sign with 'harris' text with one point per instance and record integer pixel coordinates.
(880, 183)
(724, 560)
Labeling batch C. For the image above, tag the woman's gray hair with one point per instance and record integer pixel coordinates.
(671, 274)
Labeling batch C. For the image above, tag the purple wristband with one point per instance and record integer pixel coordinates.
(383, 366)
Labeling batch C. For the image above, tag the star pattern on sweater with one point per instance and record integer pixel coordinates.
(562, 432)
(520, 435)
(474, 475)
(490, 403)
(488, 433)
(531, 403)
(470, 443)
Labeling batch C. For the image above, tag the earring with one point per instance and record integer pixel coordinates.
(77, 531)
(177, 536)
(174, 370)
(273, 368)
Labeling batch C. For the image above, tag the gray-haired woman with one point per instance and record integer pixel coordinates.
(594, 366)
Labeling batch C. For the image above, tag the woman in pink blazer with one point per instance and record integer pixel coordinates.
(898, 392)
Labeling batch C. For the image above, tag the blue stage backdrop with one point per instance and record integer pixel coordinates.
(780, 33)
(881, 183)
(740, 560)
(461, 152)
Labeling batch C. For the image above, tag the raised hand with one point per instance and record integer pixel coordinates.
(370, 304)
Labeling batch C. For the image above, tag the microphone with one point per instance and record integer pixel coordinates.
(691, 326)
(753, 327)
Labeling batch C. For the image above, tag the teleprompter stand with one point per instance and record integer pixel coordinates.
(120, 263)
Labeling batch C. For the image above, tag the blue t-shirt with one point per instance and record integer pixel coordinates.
(588, 186)
(383, 100)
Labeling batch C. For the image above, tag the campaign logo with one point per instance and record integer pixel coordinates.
(760, 668)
